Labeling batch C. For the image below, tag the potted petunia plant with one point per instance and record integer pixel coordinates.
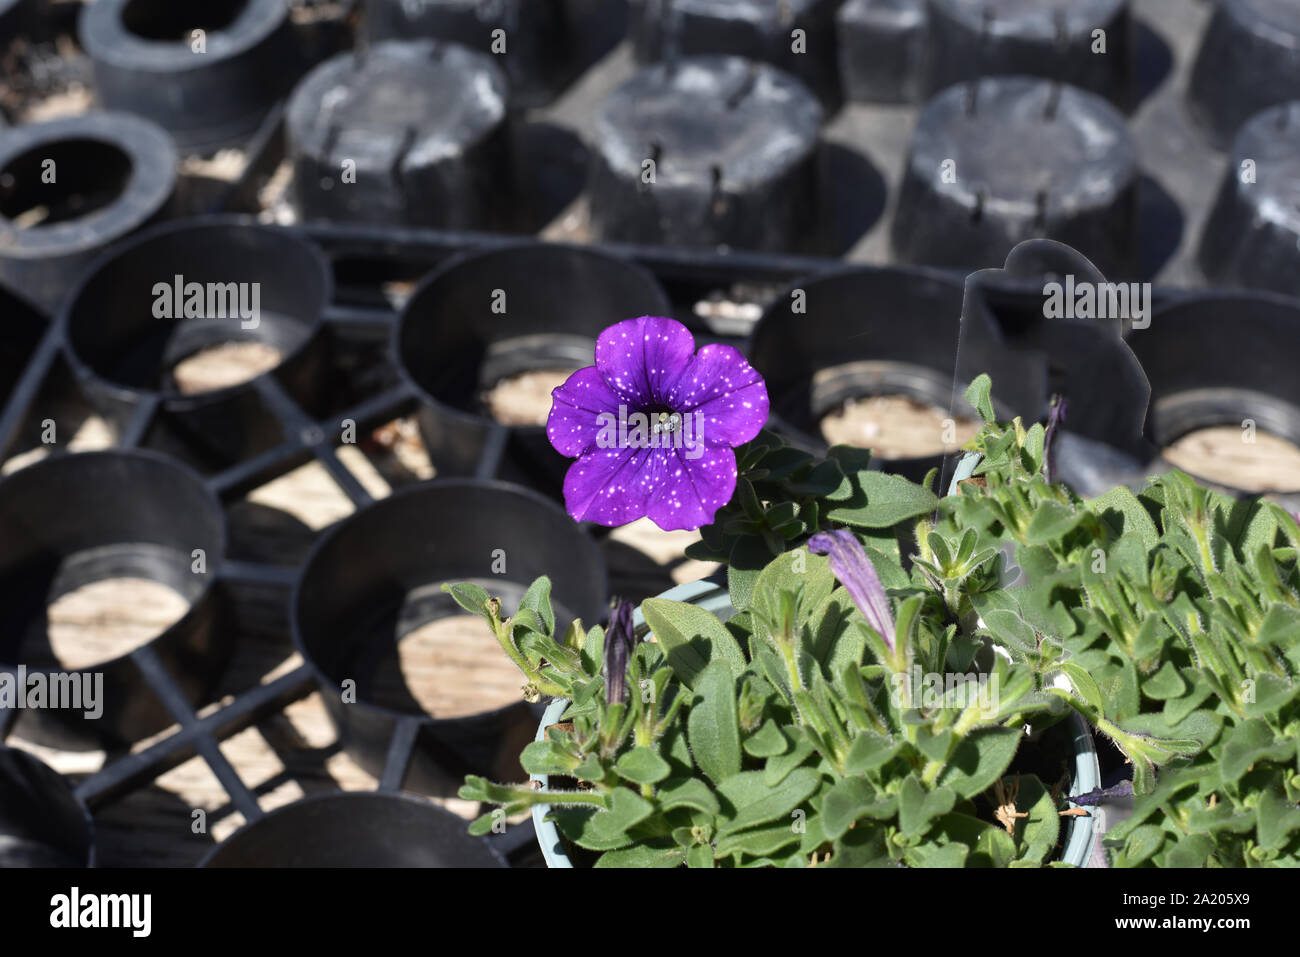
(888, 677)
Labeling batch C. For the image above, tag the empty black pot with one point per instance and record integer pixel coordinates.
(206, 70)
(69, 188)
(486, 316)
(42, 824)
(130, 322)
(355, 829)
(1218, 359)
(76, 519)
(855, 333)
(377, 577)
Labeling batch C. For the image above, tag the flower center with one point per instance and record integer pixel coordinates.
(666, 422)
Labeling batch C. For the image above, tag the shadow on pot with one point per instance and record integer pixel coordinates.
(355, 829)
(42, 824)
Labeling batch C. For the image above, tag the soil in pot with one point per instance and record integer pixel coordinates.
(1252, 461)
(525, 398)
(895, 426)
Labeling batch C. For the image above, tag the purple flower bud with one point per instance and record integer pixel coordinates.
(856, 573)
(620, 637)
(1098, 795)
(1054, 420)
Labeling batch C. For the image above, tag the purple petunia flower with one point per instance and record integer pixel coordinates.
(652, 425)
(850, 564)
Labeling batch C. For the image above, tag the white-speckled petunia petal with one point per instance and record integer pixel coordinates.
(727, 391)
(641, 359)
(689, 490)
(576, 407)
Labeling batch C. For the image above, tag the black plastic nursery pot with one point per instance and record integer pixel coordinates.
(1220, 359)
(1252, 237)
(42, 823)
(706, 150)
(21, 327)
(404, 132)
(355, 829)
(856, 333)
(208, 71)
(73, 520)
(534, 40)
(967, 200)
(1249, 59)
(186, 287)
(71, 187)
(882, 50)
(487, 316)
(796, 35)
(1053, 39)
(376, 577)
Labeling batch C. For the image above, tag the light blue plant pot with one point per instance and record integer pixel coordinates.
(715, 598)
(1080, 832)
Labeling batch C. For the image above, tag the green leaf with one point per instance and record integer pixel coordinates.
(979, 395)
(1120, 509)
(890, 499)
(850, 799)
(979, 760)
(1052, 521)
(758, 842)
(918, 807)
(712, 725)
(691, 793)
(946, 856)
(699, 856)
(1192, 850)
(546, 757)
(1248, 743)
(768, 741)
(604, 830)
(471, 597)
(643, 765)
(1037, 834)
(781, 765)
(749, 556)
(1278, 819)
(1142, 844)
(1166, 683)
(691, 638)
(757, 803)
(1084, 686)
(657, 854)
(990, 845)
(538, 600)
(868, 752)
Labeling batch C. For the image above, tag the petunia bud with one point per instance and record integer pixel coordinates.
(856, 573)
(619, 640)
(1054, 421)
